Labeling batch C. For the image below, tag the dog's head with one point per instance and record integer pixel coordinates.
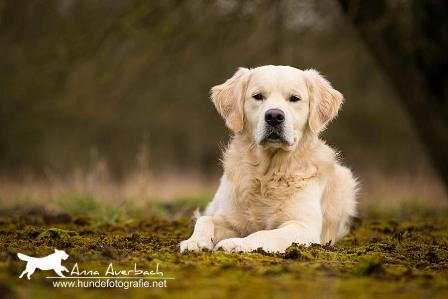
(276, 105)
(61, 253)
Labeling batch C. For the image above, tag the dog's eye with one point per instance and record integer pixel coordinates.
(258, 96)
(294, 99)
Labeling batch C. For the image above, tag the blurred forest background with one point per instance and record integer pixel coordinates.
(111, 97)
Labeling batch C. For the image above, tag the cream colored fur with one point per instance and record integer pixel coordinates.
(272, 195)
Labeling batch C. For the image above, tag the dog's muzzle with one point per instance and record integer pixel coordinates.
(274, 119)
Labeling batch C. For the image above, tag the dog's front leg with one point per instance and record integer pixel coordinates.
(304, 227)
(202, 237)
(276, 240)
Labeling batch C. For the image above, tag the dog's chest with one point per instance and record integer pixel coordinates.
(265, 202)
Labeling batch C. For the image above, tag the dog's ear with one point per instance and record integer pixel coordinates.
(325, 101)
(229, 99)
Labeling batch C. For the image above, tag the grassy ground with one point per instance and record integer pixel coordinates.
(388, 254)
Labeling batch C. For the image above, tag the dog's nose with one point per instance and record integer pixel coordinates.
(274, 117)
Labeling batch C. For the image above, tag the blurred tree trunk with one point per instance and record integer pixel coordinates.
(410, 41)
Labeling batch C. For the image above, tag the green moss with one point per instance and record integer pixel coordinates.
(297, 252)
(57, 233)
(369, 265)
(381, 257)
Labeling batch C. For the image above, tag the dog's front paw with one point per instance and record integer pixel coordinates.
(234, 245)
(196, 244)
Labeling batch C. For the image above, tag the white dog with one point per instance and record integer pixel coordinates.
(281, 183)
(50, 262)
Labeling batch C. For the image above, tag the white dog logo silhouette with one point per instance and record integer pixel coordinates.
(50, 262)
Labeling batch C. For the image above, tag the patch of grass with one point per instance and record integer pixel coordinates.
(86, 205)
(180, 207)
(407, 209)
(83, 205)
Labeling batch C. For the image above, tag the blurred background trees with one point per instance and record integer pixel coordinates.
(410, 41)
(116, 80)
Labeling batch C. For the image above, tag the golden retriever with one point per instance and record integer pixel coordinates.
(281, 184)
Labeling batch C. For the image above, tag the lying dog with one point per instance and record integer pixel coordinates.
(281, 183)
(50, 262)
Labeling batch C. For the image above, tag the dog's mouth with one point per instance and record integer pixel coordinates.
(274, 137)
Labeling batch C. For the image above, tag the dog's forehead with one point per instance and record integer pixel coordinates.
(277, 77)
